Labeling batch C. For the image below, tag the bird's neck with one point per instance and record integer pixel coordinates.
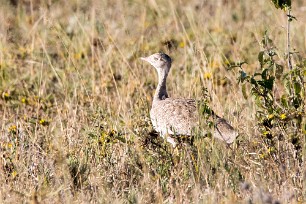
(161, 90)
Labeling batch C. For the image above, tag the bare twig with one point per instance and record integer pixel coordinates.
(288, 39)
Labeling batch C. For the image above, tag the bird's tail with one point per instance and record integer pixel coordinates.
(223, 130)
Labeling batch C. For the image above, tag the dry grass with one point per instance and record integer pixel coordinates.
(75, 102)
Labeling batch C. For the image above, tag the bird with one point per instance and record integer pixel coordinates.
(172, 117)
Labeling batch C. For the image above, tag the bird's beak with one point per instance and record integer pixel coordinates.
(145, 59)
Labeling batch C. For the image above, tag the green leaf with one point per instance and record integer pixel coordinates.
(288, 86)
(297, 101)
(258, 100)
(297, 87)
(282, 4)
(204, 108)
(268, 83)
(284, 101)
(264, 74)
(253, 81)
(243, 89)
(261, 57)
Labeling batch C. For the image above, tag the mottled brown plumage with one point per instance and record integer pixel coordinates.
(179, 116)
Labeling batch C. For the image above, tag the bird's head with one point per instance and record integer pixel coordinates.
(160, 61)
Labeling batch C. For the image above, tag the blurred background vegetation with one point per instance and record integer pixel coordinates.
(75, 101)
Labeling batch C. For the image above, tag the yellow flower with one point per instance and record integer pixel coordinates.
(283, 116)
(77, 56)
(103, 137)
(265, 133)
(182, 44)
(14, 174)
(23, 100)
(12, 129)
(270, 150)
(207, 75)
(262, 156)
(6, 95)
(43, 122)
(271, 116)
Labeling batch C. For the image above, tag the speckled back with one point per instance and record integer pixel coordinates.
(174, 116)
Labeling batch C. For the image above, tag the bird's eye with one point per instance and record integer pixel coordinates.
(155, 58)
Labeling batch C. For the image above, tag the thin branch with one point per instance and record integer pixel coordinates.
(288, 39)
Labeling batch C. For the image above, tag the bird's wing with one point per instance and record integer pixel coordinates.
(174, 116)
